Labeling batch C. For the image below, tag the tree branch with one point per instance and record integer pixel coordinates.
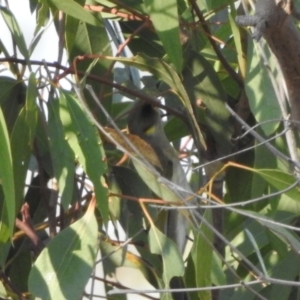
(273, 21)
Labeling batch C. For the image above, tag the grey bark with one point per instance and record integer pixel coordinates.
(273, 20)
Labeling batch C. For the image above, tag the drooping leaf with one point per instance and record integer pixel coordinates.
(258, 185)
(63, 158)
(202, 254)
(164, 16)
(19, 270)
(260, 90)
(171, 258)
(63, 268)
(12, 99)
(22, 138)
(5, 231)
(83, 39)
(289, 238)
(238, 45)
(280, 180)
(85, 142)
(203, 86)
(286, 269)
(15, 30)
(131, 184)
(42, 15)
(217, 276)
(7, 177)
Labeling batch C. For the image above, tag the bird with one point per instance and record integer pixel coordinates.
(145, 121)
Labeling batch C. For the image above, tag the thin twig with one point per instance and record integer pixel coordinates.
(222, 59)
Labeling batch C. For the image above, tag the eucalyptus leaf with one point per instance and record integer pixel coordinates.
(75, 10)
(22, 139)
(202, 255)
(15, 30)
(63, 268)
(280, 180)
(171, 258)
(7, 177)
(84, 140)
(260, 91)
(167, 27)
(63, 158)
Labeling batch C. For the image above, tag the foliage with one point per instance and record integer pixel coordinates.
(72, 202)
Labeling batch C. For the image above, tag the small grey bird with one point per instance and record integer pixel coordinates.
(144, 120)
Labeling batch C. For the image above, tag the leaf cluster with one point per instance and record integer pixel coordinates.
(81, 199)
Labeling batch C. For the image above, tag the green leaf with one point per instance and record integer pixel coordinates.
(19, 269)
(286, 269)
(4, 231)
(75, 10)
(12, 99)
(289, 238)
(164, 16)
(217, 276)
(42, 15)
(202, 254)
(82, 39)
(238, 45)
(15, 30)
(6, 175)
(131, 184)
(84, 139)
(263, 160)
(257, 251)
(260, 91)
(280, 180)
(202, 84)
(22, 138)
(71, 30)
(171, 257)
(63, 268)
(63, 158)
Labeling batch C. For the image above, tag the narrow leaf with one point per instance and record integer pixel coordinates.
(260, 90)
(202, 256)
(290, 239)
(15, 30)
(63, 157)
(22, 138)
(164, 16)
(6, 175)
(257, 251)
(75, 10)
(202, 84)
(281, 181)
(85, 142)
